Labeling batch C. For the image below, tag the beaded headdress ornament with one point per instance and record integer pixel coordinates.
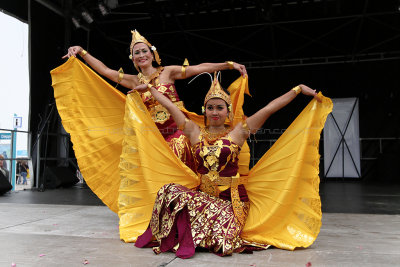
(138, 38)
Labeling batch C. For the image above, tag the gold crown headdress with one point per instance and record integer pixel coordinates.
(216, 91)
(138, 38)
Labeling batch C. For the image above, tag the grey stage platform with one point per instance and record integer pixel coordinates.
(61, 234)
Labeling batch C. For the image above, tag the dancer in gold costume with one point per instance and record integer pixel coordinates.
(147, 62)
(214, 214)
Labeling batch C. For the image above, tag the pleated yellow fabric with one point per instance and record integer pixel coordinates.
(147, 163)
(283, 187)
(237, 90)
(94, 117)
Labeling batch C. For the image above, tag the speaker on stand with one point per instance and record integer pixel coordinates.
(5, 185)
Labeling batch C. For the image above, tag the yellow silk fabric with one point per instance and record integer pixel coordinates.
(283, 187)
(92, 111)
(126, 169)
(147, 163)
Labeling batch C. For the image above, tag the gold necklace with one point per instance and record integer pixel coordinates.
(143, 79)
(212, 137)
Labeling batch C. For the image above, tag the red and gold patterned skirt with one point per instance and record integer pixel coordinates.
(185, 219)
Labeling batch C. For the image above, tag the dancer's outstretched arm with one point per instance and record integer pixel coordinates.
(189, 128)
(182, 72)
(173, 72)
(254, 122)
(257, 120)
(127, 80)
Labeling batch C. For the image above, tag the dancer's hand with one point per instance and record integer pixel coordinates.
(73, 51)
(241, 68)
(140, 88)
(305, 90)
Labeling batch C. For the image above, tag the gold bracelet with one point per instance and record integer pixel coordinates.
(230, 64)
(149, 85)
(83, 53)
(297, 89)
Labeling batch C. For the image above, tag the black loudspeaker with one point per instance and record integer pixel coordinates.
(59, 177)
(5, 185)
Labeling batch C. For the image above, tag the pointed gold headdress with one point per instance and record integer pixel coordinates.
(216, 91)
(138, 38)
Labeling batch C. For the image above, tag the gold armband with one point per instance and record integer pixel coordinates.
(83, 53)
(120, 76)
(184, 65)
(230, 64)
(297, 89)
(182, 126)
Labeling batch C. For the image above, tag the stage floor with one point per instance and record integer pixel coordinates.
(65, 227)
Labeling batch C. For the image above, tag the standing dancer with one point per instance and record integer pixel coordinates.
(147, 62)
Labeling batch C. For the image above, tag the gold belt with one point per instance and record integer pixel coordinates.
(210, 182)
(160, 114)
(230, 180)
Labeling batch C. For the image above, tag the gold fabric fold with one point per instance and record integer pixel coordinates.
(147, 163)
(92, 111)
(283, 187)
